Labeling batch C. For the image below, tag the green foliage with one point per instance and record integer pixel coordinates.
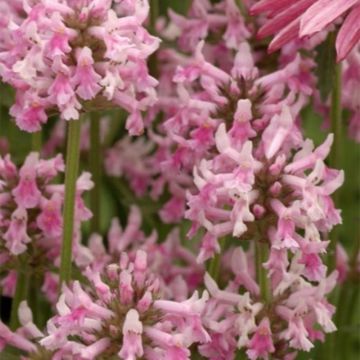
(325, 69)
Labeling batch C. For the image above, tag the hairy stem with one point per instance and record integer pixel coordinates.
(215, 262)
(336, 155)
(96, 171)
(261, 256)
(214, 267)
(21, 292)
(72, 168)
(36, 141)
(335, 162)
(154, 14)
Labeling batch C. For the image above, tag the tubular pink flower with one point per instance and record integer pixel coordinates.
(85, 77)
(261, 344)
(16, 236)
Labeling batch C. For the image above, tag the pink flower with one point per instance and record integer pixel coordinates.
(261, 344)
(86, 79)
(132, 330)
(27, 193)
(29, 113)
(50, 219)
(58, 45)
(58, 56)
(16, 237)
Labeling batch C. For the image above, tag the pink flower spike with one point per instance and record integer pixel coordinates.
(86, 78)
(261, 344)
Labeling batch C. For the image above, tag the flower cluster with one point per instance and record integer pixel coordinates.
(120, 313)
(288, 323)
(31, 215)
(174, 265)
(67, 57)
(268, 186)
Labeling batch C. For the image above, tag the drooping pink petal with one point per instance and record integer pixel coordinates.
(271, 6)
(349, 34)
(284, 18)
(322, 13)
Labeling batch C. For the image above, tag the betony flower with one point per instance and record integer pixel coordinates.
(31, 220)
(60, 55)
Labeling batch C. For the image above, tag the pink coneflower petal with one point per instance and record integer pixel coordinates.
(271, 6)
(349, 34)
(284, 36)
(284, 18)
(322, 13)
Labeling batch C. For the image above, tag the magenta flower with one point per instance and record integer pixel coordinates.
(60, 58)
(31, 216)
(121, 314)
(261, 344)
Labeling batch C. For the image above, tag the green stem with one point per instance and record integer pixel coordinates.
(21, 292)
(336, 118)
(215, 262)
(96, 171)
(33, 295)
(336, 154)
(116, 125)
(334, 344)
(154, 14)
(261, 256)
(36, 141)
(71, 173)
(214, 267)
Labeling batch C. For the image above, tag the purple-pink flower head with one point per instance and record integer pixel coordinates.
(67, 58)
(120, 313)
(31, 221)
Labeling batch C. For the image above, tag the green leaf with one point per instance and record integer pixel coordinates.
(179, 6)
(325, 70)
(10, 354)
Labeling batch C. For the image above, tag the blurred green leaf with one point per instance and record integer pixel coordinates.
(180, 6)
(326, 60)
